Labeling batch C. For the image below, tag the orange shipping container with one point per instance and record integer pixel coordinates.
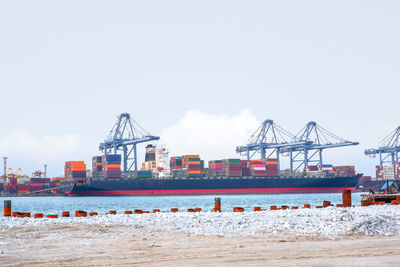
(112, 166)
(194, 172)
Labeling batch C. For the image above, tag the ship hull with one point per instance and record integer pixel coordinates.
(231, 186)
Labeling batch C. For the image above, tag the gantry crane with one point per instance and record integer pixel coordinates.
(125, 135)
(388, 149)
(315, 139)
(269, 136)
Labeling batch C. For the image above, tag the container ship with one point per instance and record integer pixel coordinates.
(161, 175)
(187, 175)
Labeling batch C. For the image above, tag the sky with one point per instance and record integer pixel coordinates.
(201, 74)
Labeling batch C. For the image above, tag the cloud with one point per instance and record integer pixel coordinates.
(212, 136)
(23, 145)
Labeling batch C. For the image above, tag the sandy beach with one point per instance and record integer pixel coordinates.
(184, 239)
(112, 245)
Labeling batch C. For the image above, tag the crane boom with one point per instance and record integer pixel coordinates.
(125, 135)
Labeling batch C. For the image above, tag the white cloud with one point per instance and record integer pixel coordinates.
(212, 136)
(21, 144)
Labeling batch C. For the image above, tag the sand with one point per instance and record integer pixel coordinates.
(117, 245)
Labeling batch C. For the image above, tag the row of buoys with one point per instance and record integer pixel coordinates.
(346, 202)
(346, 198)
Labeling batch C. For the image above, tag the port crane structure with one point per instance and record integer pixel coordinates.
(304, 148)
(388, 149)
(125, 135)
(268, 137)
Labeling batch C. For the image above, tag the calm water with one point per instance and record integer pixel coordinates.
(54, 205)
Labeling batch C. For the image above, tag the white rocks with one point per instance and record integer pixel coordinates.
(330, 222)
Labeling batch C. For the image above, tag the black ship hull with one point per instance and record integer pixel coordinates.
(214, 186)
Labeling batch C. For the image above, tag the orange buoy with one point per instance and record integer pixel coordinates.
(319, 207)
(326, 203)
(238, 209)
(346, 198)
(174, 209)
(91, 214)
(15, 213)
(197, 209)
(156, 210)
(26, 215)
(38, 215)
(257, 208)
(65, 214)
(394, 202)
(272, 208)
(52, 216)
(307, 206)
(146, 211)
(217, 204)
(138, 212)
(295, 208)
(7, 208)
(113, 212)
(128, 212)
(284, 207)
(80, 213)
(339, 205)
(190, 210)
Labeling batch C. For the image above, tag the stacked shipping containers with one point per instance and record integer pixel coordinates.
(187, 166)
(193, 165)
(327, 169)
(215, 168)
(366, 181)
(258, 168)
(75, 171)
(24, 184)
(344, 170)
(272, 167)
(36, 184)
(175, 163)
(231, 168)
(244, 167)
(112, 165)
(97, 164)
(388, 172)
(312, 168)
(13, 185)
(46, 183)
(24, 188)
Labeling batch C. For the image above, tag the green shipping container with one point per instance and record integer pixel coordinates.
(232, 161)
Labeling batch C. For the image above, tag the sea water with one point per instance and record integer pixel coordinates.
(55, 205)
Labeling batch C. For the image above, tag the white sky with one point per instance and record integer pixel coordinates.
(68, 68)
